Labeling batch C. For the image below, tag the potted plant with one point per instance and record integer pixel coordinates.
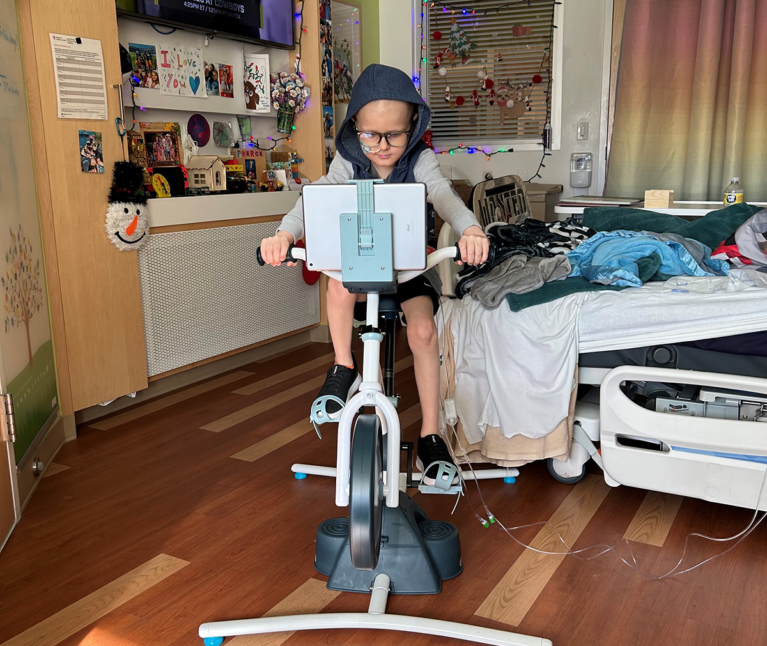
(289, 96)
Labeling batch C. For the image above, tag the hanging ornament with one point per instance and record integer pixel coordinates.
(447, 94)
(482, 74)
(427, 136)
(500, 57)
(459, 101)
(491, 100)
(460, 45)
(438, 60)
(488, 84)
(437, 35)
(127, 221)
(537, 79)
(475, 98)
(443, 71)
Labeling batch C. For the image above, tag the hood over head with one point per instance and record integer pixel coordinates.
(375, 83)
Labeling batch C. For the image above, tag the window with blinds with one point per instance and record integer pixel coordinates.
(511, 44)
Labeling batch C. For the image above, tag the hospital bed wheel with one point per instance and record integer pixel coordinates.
(366, 493)
(561, 478)
(213, 641)
(300, 476)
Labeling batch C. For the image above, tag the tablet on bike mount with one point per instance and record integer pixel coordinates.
(326, 204)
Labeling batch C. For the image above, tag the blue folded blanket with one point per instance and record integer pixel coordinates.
(610, 258)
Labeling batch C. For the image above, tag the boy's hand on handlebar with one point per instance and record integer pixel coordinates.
(275, 249)
(474, 246)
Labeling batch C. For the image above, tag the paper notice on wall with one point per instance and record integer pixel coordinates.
(181, 71)
(78, 64)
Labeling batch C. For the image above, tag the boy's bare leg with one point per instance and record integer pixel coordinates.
(423, 340)
(341, 321)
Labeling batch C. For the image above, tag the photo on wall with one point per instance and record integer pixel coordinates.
(326, 51)
(342, 73)
(256, 83)
(211, 79)
(91, 152)
(226, 81)
(144, 61)
(327, 122)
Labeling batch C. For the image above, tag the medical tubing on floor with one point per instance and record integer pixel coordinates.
(604, 549)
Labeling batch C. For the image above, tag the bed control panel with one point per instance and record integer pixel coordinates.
(719, 404)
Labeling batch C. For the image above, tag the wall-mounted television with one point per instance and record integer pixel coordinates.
(264, 22)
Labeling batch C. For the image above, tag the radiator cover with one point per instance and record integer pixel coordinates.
(204, 294)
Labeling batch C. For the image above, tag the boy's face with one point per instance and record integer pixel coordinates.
(385, 116)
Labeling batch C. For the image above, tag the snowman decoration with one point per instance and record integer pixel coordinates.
(127, 222)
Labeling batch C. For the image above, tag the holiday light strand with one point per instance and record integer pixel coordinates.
(471, 150)
(466, 11)
(428, 4)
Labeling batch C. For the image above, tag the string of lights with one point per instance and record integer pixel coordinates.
(423, 60)
(452, 8)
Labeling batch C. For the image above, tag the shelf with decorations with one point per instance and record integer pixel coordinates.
(212, 114)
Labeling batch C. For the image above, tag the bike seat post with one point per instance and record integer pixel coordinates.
(390, 326)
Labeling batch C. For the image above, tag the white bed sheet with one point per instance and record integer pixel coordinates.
(643, 316)
(514, 370)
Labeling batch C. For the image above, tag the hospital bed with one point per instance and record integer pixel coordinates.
(666, 390)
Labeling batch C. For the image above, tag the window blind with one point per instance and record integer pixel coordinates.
(513, 46)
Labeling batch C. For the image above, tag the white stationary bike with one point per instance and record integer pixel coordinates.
(387, 544)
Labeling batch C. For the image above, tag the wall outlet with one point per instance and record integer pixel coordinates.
(582, 130)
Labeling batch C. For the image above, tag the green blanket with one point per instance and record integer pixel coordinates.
(648, 267)
(711, 230)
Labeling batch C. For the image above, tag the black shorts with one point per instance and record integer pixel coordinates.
(419, 286)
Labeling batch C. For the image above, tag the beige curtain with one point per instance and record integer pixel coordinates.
(691, 99)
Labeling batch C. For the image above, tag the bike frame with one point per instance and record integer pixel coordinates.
(371, 393)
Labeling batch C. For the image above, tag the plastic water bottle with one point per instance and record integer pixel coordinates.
(733, 194)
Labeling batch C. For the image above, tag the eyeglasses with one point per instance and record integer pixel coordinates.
(373, 139)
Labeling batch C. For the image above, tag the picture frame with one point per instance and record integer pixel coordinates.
(162, 143)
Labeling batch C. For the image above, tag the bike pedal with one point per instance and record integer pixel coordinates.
(319, 414)
(448, 480)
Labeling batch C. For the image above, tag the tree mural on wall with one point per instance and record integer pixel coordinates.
(23, 292)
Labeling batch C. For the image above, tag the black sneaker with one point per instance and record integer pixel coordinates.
(341, 382)
(431, 450)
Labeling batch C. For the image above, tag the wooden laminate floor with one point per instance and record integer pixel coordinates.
(185, 510)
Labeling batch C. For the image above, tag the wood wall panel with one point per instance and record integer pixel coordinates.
(94, 288)
(308, 137)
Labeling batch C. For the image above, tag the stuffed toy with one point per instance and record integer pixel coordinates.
(127, 222)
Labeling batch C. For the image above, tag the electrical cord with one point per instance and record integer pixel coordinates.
(603, 548)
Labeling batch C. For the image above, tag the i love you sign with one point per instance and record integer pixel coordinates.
(181, 71)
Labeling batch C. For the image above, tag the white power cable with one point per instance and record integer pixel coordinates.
(604, 549)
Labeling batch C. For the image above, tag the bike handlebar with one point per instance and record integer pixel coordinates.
(295, 254)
